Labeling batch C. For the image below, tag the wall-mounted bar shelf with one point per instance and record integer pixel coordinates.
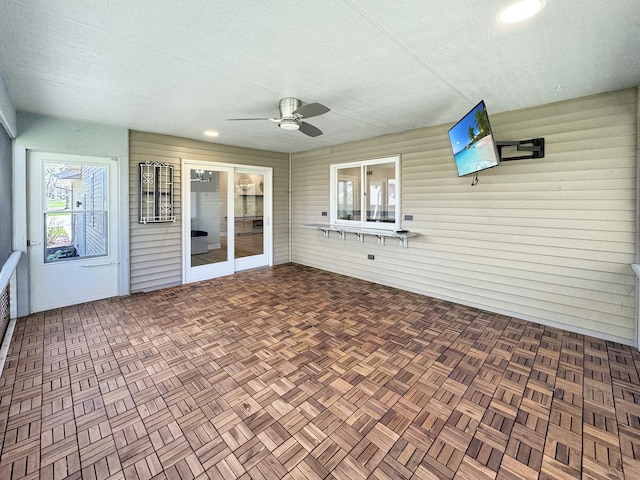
(342, 231)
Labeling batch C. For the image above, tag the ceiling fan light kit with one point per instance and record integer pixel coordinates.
(289, 124)
(292, 111)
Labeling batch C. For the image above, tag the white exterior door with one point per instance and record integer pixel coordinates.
(73, 229)
(252, 207)
(208, 221)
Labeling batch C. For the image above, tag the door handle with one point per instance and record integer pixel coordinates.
(32, 243)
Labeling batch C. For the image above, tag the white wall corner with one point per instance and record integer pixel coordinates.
(636, 266)
(7, 110)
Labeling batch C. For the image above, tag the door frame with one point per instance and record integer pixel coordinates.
(20, 211)
(232, 168)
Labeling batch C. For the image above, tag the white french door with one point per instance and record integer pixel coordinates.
(226, 219)
(252, 217)
(72, 228)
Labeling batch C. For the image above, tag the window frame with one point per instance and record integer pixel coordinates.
(363, 222)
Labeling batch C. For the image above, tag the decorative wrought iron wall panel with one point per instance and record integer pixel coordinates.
(156, 193)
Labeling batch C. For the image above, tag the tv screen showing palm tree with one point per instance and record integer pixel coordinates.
(472, 142)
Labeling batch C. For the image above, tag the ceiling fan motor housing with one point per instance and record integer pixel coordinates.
(287, 106)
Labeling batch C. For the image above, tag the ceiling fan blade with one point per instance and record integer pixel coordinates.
(235, 119)
(244, 119)
(311, 110)
(310, 130)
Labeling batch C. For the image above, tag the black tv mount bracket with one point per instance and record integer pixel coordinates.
(535, 146)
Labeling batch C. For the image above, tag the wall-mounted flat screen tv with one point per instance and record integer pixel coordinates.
(472, 142)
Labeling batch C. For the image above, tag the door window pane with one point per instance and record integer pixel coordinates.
(75, 211)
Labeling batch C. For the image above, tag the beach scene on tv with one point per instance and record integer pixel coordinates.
(472, 143)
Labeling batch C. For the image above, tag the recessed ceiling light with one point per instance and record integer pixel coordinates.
(519, 11)
(211, 133)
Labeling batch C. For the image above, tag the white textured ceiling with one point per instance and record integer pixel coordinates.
(180, 67)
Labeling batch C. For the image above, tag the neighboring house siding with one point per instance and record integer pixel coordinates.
(156, 248)
(79, 190)
(88, 203)
(94, 203)
(548, 240)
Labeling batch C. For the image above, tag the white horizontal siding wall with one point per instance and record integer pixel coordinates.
(156, 248)
(549, 240)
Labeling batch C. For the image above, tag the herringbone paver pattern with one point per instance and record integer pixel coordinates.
(295, 373)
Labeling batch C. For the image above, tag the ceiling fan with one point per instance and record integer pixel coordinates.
(292, 111)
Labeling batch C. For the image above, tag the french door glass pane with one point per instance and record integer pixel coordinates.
(249, 214)
(208, 217)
